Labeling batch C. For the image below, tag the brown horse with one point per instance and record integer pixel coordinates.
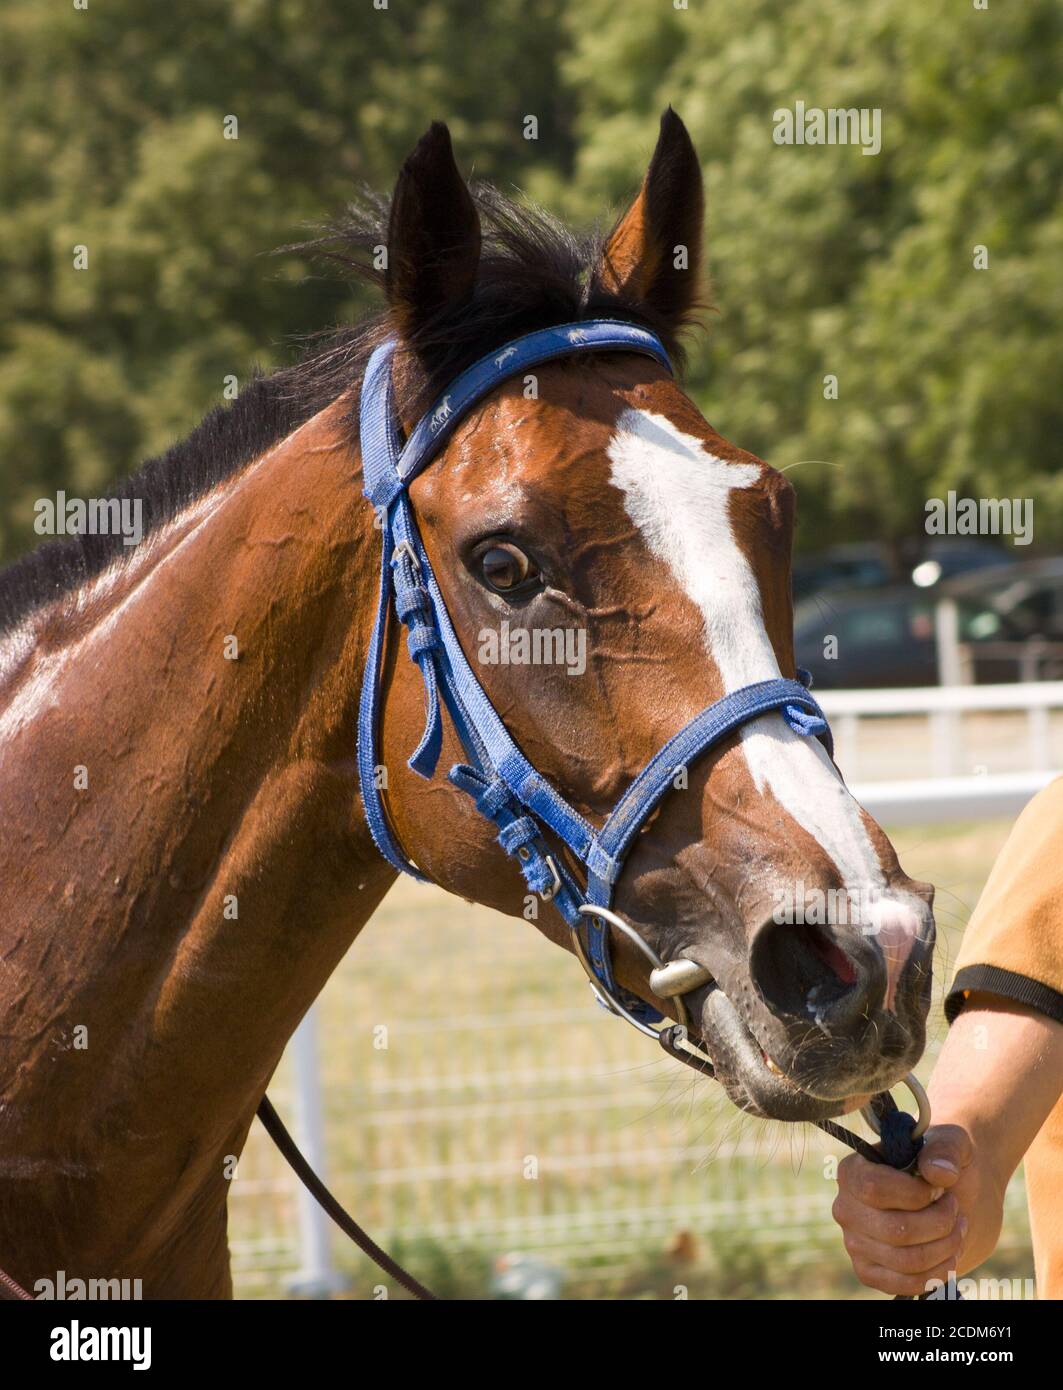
(185, 855)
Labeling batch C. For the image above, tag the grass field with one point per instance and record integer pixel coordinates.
(510, 1129)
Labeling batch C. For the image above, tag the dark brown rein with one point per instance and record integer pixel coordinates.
(10, 1292)
(274, 1127)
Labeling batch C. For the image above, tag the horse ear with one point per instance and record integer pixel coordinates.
(433, 234)
(653, 254)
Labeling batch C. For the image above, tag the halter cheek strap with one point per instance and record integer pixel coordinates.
(504, 786)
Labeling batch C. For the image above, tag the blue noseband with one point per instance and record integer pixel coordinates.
(503, 784)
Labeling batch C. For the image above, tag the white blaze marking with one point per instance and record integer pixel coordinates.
(677, 494)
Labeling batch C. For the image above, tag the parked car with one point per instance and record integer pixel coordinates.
(840, 567)
(1028, 597)
(888, 637)
(866, 565)
(882, 638)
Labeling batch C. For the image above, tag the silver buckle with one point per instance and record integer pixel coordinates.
(555, 887)
(405, 548)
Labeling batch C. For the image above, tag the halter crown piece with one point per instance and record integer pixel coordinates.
(505, 787)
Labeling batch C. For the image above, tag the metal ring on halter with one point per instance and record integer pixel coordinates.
(922, 1100)
(604, 915)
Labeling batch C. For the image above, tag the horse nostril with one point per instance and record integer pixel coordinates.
(802, 972)
(833, 956)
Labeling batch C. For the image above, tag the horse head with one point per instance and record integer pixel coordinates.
(611, 566)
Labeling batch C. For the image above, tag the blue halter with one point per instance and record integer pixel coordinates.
(504, 785)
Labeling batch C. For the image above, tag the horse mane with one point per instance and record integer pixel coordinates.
(533, 273)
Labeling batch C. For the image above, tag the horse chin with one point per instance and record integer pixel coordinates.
(751, 1081)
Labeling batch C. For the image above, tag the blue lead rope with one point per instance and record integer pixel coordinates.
(504, 786)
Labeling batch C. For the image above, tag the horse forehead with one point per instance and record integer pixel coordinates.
(562, 418)
(562, 444)
(570, 412)
(553, 445)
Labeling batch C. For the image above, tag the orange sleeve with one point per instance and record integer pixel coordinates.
(1013, 945)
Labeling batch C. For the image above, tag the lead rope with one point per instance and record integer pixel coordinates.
(897, 1147)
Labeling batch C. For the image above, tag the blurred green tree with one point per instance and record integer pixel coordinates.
(826, 261)
(829, 261)
(114, 141)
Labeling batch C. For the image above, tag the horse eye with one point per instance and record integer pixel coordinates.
(505, 568)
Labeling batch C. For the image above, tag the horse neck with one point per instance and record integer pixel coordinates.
(179, 910)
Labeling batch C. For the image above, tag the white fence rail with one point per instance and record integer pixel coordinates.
(930, 800)
(860, 717)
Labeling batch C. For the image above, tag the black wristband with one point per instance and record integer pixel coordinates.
(1008, 984)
